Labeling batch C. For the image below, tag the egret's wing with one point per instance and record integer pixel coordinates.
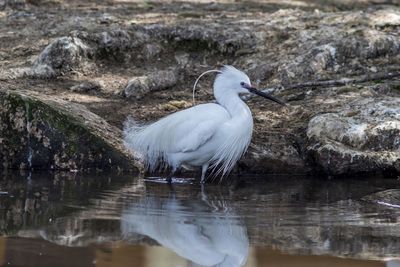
(198, 136)
(181, 131)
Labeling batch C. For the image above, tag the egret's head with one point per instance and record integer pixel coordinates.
(232, 79)
(237, 81)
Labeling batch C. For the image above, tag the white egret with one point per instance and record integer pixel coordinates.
(213, 135)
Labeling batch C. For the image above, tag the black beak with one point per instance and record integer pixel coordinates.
(267, 96)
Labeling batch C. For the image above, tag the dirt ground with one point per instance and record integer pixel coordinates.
(27, 27)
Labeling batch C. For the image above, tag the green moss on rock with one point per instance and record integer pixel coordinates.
(41, 132)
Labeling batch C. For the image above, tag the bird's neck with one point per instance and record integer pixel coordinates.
(232, 103)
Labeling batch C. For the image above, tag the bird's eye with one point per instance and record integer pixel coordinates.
(242, 83)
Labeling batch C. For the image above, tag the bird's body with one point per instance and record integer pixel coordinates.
(213, 134)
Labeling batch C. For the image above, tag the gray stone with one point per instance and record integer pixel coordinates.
(113, 42)
(140, 86)
(276, 156)
(225, 39)
(151, 50)
(62, 55)
(363, 136)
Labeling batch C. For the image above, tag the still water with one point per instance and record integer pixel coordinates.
(109, 220)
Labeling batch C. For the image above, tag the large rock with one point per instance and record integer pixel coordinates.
(140, 86)
(363, 136)
(226, 38)
(42, 132)
(62, 55)
(277, 155)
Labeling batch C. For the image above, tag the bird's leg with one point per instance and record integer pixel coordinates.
(174, 171)
(169, 177)
(178, 171)
(203, 173)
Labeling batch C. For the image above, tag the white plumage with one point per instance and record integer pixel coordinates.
(206, 135)
(217, 239)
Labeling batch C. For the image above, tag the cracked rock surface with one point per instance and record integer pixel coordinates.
(364, 136)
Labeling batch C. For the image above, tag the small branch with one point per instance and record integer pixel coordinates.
(331, 83)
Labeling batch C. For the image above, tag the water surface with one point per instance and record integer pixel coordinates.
(113, 220)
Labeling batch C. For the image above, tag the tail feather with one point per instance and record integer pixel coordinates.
(151, 141)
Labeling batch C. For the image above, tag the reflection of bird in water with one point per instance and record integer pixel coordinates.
(393, 263)
(65, 232)
(189, 229)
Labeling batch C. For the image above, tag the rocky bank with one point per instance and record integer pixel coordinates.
(108, 60)
(42, 132)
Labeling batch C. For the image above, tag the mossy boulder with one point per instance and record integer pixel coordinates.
(42, 132)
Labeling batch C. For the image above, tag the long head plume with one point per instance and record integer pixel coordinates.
(198, 78)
